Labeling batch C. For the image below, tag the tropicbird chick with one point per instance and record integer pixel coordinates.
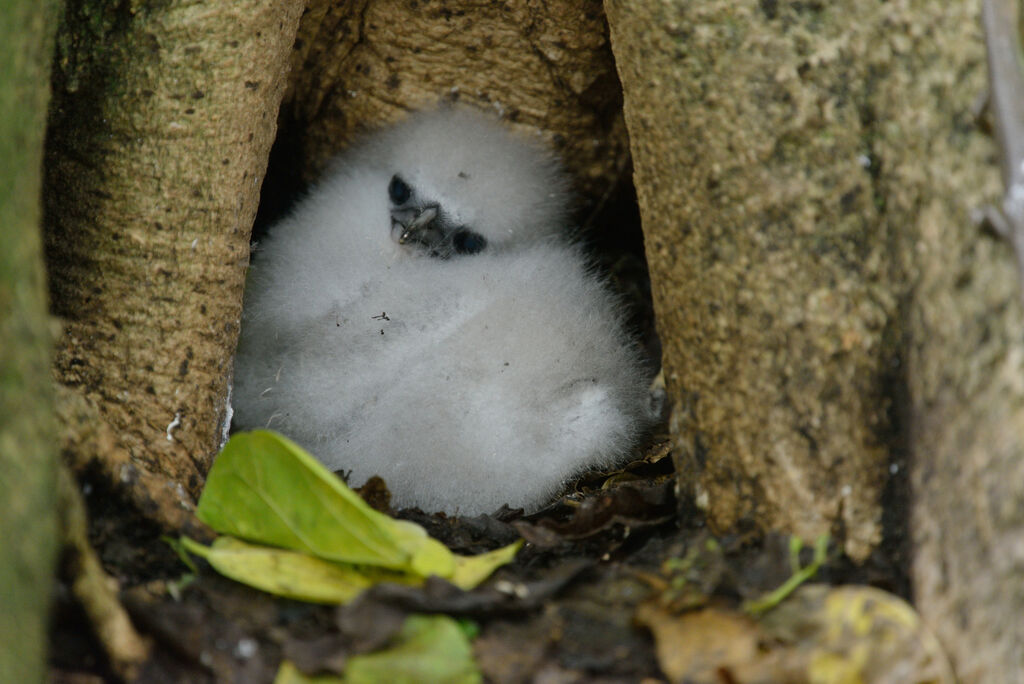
(439, 183)
(460, 184)
(491, 373)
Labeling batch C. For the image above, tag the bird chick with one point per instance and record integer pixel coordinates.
(418, 317)
(459, 183)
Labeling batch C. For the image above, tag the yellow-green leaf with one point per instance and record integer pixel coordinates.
(299, 576)
(328, 543)
(289, 674)
(429, 648)
(284, 573)
(265, 488)
(472, 570)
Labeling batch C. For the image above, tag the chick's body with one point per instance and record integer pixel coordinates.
(468, 372)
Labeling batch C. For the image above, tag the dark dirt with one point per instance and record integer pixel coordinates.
(562, 612)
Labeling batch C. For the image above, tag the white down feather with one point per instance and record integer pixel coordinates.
(465, 382)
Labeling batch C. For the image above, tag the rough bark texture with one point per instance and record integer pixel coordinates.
(807, 197)
(542, 66)
(769, 252)
(965, 360)
(162, 119)
(28, 529)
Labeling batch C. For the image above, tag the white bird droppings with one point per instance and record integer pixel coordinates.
(173, 425)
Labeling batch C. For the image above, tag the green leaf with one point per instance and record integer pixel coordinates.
(318, 541)
(302, 577)
(472, 570)
(289, 674)
(429, 648)
(292, 574)
(265, 488)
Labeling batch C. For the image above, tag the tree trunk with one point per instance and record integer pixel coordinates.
(806, 175)
(543, 67)
(159, 130)
(28, 523)
(965, 362)
(770, 253)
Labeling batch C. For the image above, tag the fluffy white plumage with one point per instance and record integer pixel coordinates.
(434, 329)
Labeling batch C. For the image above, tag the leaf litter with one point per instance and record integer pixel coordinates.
(613, 577)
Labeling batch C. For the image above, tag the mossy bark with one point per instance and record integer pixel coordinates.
(28, 449)
(162, 118)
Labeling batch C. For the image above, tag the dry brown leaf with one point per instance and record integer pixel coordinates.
(821, 634)
(857, 633)
(708, 646)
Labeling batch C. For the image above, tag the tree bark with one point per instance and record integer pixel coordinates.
(770, 253)
(543, 67)
(159, 130)
(28, 523)
(806, 193)
(965, 361)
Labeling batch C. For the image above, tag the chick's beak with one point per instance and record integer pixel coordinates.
(419, 227)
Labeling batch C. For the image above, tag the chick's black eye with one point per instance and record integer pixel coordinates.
(398, 190)
(466, 241)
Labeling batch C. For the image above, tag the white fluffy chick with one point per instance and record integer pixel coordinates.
(417, 317)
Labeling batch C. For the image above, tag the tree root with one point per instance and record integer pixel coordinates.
(92, 587)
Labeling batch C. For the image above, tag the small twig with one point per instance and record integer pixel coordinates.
(93, 588)
(1006, 103)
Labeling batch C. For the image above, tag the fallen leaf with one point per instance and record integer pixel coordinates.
(327, 544)
(700, 646)
(291, 574)
(818, 634)
(472, 570)
(857, 633)
(265, 488)
(428, 648)
(289, 674)
(440, 596)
